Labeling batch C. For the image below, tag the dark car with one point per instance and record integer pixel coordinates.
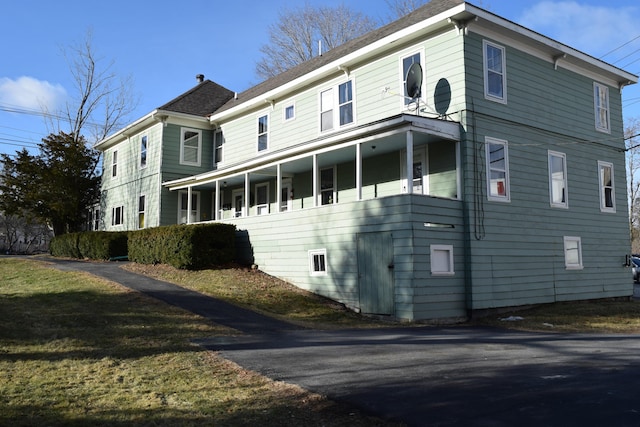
(635, 269)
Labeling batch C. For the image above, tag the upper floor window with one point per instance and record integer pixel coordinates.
(263, 132)
(143, 151)
(336, 109)
(407, 62)
(289, 112)
(218, 147)
(114, 163)
(558, 179)
(495, 72)
(601, 103)
(497, 170)
(190, 146)
(607, 193)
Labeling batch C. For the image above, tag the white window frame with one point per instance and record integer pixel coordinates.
(144, 151)
(572, 243)
(441, 257)
(601, 107)
(317, 269)
(419, 155)
(262, 209)
(114, 163)
(195, 216)
(334, 106)
(262, 132)
(334, 195)
(286, 204)
(218, 147)
(606, 186)
(288, 106)
(142, 198)
(553, 180)
(491, 194)
(241, 212)
(407, 103)
(114, 216)
(182, 147)
(502, 72)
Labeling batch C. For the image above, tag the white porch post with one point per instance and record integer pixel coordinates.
(189, 195)
(278, 187)
(315, 180)
(358, 172)
(216, 204)
(409, 162)
(247, 194)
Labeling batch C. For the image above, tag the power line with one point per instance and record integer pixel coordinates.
(620, 47)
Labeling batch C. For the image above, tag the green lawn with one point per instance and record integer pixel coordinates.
(78, 350)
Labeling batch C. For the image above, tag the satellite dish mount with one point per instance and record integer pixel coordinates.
(413, 83)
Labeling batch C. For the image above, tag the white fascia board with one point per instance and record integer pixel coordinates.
(591, 66)
(338, 65)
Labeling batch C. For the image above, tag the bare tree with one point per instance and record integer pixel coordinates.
(400, 8)
(102, 100)
(296, 36)
(632, 138)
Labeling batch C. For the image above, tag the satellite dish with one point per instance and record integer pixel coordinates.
(413, 85)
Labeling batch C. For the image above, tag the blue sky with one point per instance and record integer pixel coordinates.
(163, 45)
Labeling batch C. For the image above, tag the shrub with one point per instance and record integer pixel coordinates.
(91, 244)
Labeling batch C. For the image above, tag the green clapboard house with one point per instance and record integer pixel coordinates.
(449, 162)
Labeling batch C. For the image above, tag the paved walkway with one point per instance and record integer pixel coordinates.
(428, 376)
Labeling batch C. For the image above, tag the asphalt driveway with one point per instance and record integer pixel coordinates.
(428, 376)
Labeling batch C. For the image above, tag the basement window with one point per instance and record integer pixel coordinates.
(442, 260)
(318, 262)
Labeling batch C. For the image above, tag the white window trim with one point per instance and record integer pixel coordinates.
(336, 106)
(144, 212)
(571, 266)
(607, 127)
(113, 216)
(564, 204)
(423, 99)
(114, 164)
(317, 252)
(334, 196)
(487, 95)
(494, 197)
(267, 133)
(267, 205)
(242, 213)
(182, 132)
(284, 112)
(189, 210)
(288, 202)
(146, 158)
(218, 134)
(419, 153)
(603, 206)
(441, 248)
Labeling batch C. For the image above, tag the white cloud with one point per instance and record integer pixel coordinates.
(595, 30)
(30, 93)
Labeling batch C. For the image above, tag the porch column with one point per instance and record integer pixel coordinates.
(278, 187)
(189, 194)
(409, 162)
(216, 205)
(247, 194)
(358, 172)
(315, 180)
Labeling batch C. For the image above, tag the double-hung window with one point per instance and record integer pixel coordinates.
(607, 192)
(558, 179)
(495, 72)
(143, 151)
(327, 186)
(263, 132)
(601, 104)
(190, 147)
(336, 106)
(141, 209)
(114, 163)
(407, 62)
(262, 198)
(117, 215)
(218, 147)
(497, 170)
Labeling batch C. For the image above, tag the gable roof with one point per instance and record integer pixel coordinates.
(201, 100)
(431, 9)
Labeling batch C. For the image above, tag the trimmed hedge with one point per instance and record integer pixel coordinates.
(190, 247)
(91, 244)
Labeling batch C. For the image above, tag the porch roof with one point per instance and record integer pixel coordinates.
(379, 137)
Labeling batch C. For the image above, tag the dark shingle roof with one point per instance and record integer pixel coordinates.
(433, 8)
(203, 99)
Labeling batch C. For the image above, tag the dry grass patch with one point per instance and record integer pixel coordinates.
(76, 350)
